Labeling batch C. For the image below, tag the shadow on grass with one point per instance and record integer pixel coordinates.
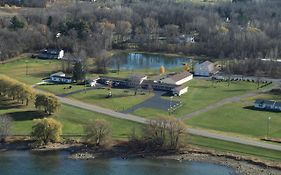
(27, 115)
(256, 109)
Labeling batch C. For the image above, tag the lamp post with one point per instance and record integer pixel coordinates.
(268, 127)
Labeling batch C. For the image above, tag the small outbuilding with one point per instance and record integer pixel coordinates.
(269, 105)
(179, 90)
(205, 68)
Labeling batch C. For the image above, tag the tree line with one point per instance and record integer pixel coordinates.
(244, 29)
(159, 134)
(24, 94)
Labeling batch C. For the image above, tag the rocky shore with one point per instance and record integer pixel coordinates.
(243, 165)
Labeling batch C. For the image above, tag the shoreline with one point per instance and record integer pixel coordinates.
(242, 165)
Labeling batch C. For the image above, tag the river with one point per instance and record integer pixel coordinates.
(58, 163)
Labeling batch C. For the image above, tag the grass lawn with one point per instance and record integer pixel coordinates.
(59, 88)
(202, 93)
(241, 118)
(36, 69)
(150, 113)
(121, 99)
(72, 119)
(235, 148)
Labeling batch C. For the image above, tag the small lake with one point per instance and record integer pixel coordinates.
(26, 163)
(130, 61)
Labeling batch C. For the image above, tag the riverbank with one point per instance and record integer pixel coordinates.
(244, 165)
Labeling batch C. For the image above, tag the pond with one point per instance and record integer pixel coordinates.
(57, 163)
(130, 61)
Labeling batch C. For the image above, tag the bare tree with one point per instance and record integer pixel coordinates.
(98, 132)
(165, 133)
(5, 127)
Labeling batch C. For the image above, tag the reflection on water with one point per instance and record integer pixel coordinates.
(132, 61)
(26, 163)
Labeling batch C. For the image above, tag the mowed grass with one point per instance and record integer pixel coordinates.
(61, 88)
(241, 118)
(30, 71)
(236, 148)
(72, 119)
(150, 113)
(201, 94)
(121, 99)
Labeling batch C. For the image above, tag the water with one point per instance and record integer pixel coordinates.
(132, 61)
(26, 163)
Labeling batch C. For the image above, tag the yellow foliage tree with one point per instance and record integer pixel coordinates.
(46, 130)
(162, 70)
(186, 67)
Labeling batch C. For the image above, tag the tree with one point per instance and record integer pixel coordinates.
(162, 70)
(79, 72)
(165, 132)
(46, 130)
(49, 103)
(102, 62)
(5, 127)
(123, 29)
(98, 132)
(186, 67)
(16, 23)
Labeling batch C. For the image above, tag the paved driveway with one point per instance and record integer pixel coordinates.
(155, 102)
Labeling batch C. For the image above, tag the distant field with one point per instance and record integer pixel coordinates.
(241, 118)
(29, 70)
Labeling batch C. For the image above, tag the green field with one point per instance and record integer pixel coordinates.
(241, 118)
(121, 99)
(202, 93)
(72, 119)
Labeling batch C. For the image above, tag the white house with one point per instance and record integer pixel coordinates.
(178, 78)
(270, 105)
(60, 77)
(206, 68)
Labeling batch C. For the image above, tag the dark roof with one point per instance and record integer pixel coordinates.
(57, 76)
(268, 102)
(51, 51)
